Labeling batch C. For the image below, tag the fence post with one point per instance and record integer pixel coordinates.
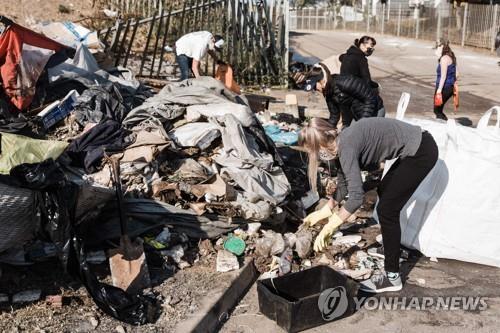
(464, 26)
(383, 17)
(399, 20)
(355, 16)
(317, 19)
(493, 30)
(439, 23)
(308, 18)
(417, 21)
(368, 16)
(388, 10)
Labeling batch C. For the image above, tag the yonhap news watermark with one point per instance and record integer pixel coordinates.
(334, 302)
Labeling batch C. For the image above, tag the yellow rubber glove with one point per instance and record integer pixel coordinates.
(326, 233)
(317, 216)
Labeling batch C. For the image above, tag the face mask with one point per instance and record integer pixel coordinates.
(369, 51)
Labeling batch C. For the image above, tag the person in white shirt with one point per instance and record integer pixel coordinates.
(191, 48)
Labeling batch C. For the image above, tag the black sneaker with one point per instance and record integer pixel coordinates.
(380, 283)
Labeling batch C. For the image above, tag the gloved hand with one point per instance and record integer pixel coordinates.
(438, 99)
(317, 216)
(323, 238)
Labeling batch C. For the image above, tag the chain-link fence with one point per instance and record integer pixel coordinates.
(467, 24)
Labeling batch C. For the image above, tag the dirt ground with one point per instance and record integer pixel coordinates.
(180, 294)
(26, 12)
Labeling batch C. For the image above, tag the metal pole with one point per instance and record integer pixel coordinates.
(383, 17)
(439, 23)
(388, 10)
(309, 20)
(399, 20)
(317, 19)
(355, 17)
(368, 16)
(464, 26)
(417, 21)
(493, 31)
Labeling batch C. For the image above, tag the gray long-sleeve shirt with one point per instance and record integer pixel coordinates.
(369, 141)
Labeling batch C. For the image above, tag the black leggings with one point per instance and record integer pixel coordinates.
(447, 93)
(395, 190)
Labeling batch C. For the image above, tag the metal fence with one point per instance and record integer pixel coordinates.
(255, 31)
(468, 24)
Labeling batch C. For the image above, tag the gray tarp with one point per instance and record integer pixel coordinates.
(250, 169)
(172, 100)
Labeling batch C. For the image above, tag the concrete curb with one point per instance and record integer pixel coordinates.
(215, 308)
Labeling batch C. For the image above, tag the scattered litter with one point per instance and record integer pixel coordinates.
(433, 259)
(226, 261)
(347, 240)
(56, 301)
(94, 322)
(420, 281)
(176, 253)
(27, 296)
(235, 245)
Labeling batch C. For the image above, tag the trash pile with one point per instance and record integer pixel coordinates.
(91, 158)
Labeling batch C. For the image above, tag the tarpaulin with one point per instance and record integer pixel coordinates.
(251, 169)
(23, 56)
(18, 149)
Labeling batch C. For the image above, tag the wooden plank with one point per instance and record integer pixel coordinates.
(156, 45)
(130, 43)
(144, 53)
(164, 43)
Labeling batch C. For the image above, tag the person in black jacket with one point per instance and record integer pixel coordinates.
(344, 92)
(354, 61)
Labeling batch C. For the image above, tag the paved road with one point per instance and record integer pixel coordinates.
(407, 65)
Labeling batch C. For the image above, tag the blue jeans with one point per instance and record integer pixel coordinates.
(185, 64)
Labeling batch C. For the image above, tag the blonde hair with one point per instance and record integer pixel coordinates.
(317, 134)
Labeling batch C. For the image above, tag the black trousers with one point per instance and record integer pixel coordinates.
(395, 190)
(447, 93)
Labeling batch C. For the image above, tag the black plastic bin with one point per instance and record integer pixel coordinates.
(292, 300)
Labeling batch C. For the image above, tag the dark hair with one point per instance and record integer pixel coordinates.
(328, 91)
(447, 51)
(363, 40)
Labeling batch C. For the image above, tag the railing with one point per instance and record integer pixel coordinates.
(255, 34)
(467, 24)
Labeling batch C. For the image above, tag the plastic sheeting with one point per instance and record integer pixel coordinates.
(241, 112)
(18, 149)
(251, 169)
(199, 135)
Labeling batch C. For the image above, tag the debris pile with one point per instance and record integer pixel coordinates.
(204, 179)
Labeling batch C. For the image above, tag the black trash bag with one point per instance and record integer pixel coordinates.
(38, 176)
(126, 307)
(56, 203)
(88, 150)
(98, 104)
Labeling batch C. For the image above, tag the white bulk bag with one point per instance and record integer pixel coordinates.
(455, 212)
